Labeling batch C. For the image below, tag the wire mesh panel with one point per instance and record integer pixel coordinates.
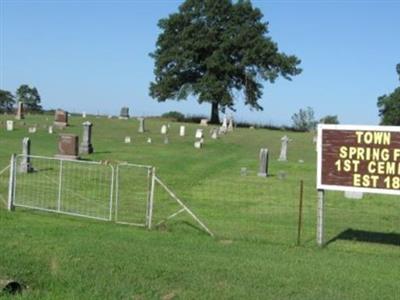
(4, 178)
(133, 188)
(65, 186)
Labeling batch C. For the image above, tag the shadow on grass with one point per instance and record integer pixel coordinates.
(367, 236)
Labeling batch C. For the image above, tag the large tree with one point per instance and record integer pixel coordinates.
(6, 101)
(210, 49)
(389, 106)
(29, 96)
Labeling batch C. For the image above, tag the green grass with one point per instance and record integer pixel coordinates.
(253, 255)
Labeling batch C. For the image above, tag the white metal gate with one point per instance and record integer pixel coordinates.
(86, 189)
(73, 187)
(134, 194)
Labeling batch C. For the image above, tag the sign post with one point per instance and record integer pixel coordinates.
(356, 159)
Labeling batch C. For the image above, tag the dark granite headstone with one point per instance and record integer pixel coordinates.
(68, 146)
(61, 118)
(124, 113)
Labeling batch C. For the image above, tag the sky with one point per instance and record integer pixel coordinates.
(93, 56)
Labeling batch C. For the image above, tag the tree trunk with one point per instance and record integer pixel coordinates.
(214, 113)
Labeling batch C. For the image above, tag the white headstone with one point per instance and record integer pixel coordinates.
(230, 125)
(225, 122)
(83, 115)
(164, 129)
(198, 144)
(353, 195)
(182, 130)
(141, 125)
(50, 129)
(127, 139)
(222, 130)
(283, 155)
(10, 125)
(214, 134)
(204, 122)
(32, 129)
(199, 133)
(149, 140)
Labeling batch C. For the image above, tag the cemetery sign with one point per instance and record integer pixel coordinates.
(359, 158)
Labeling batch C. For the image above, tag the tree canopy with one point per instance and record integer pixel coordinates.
(329, 119)
(304, 120)
(210, 49)
(6, 101)
(29, 97)
(389, 106)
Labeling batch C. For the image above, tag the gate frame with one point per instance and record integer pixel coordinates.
(13, 183)
(150, 194)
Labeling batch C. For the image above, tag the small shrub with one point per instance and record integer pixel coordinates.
(176, 115)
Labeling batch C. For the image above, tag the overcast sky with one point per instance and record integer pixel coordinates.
(93, 56)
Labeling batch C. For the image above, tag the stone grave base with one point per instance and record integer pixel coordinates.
(60, 124)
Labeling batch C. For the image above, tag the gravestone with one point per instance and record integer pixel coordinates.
(284, 144)
(204, 122)
(50, 130)
(61, 118)
(198, 144)
(86, 145)
(353, 195)
(149, 140)
(222, 130)
(264, 160)
(225, 123)
(32, 129)
(230, 125)
(10, 125)
(68, 146)
(243, 171)
(20, 111)
(214, 134)
(182, 130)
(124, 113)
(127, 140)
(282, 175)
(199, 134)
(84, 115)
(164, 129)
(141, 125)
(25, 165)
(166, 139)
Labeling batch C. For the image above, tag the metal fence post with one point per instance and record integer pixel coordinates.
(151, 198)
(60, 186)
(320, 218)
(112, 190)
(300, 221)
(116, 193)
(11, 184)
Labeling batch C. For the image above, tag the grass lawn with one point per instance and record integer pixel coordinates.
(254, 253)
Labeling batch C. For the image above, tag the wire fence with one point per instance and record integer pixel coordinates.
(65, 186)
(372, 219)
(4, 181)
(133, 188)
(235, 206)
